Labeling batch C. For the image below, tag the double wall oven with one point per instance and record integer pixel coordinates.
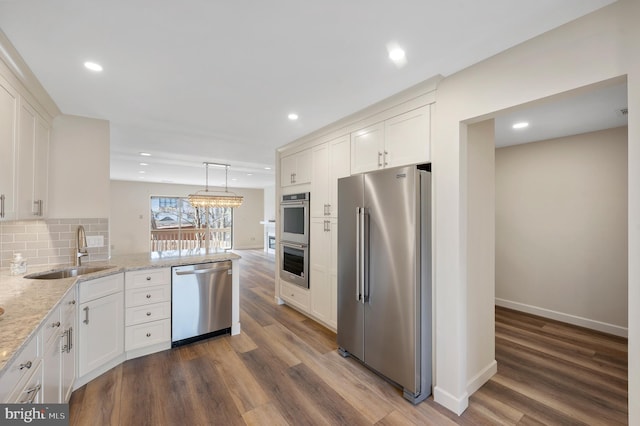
(294, 239)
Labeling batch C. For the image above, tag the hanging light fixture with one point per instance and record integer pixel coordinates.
(208, 198)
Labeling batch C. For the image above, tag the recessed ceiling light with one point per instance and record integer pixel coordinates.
(145, 154)
(293, 116)
(520, 125)
(143, 164)
(141, 171)
(397, 55)
(249, 174)
(267, 168)
(93, 66)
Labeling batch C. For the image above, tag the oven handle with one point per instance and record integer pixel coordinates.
(287, 244)
(294, 203)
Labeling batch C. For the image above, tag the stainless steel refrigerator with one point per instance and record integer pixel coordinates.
(384, 275)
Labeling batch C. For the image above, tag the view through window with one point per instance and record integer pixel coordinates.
(177, 225)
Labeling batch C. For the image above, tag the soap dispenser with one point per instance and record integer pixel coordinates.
(18, 264)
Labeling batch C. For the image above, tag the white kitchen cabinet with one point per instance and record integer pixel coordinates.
(101, 326)
(58, 364)
(407, 138)
(330, 161)
(323, 271)
(295, 169)
(33, 160)
(397, 141)
(8, 138)
(148, 311)
(367, 148)
(295, 295)
(23, 374)
(31, 391)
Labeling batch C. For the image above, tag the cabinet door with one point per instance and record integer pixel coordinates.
(69, 314)
(320, 181)
(320, 285)
(51, 364)
(41, 168)
(303, 167)
(295, 169)
(339, 167)
(407, 138)
(25, 167)
(101, 334)
(367, 149)
(287, 170)
(8, 136)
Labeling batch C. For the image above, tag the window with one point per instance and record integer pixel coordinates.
(177, 225)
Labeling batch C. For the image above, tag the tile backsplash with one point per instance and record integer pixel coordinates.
(51, 241)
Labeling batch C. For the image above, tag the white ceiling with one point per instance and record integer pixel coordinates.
(205, 80)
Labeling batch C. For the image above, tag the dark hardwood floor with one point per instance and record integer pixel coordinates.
(284, 369)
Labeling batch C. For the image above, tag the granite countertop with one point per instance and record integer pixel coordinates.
(27, 302)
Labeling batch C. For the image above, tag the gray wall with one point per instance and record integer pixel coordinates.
(130, 215)
(561, 229)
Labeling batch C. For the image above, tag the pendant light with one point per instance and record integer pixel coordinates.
(208, 198)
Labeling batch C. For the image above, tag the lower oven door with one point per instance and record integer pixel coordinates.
(294, 263)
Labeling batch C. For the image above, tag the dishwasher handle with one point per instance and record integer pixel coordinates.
(203, 271)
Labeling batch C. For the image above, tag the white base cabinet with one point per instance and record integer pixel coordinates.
(101, 326)
(148, 311)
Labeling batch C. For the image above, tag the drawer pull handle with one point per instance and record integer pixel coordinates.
(148, 314)
(31, 394)
(148, 296)
(26, 365)
(148, 334)
(55, 324)
(86, 315)
(148, 278)
(73, 302)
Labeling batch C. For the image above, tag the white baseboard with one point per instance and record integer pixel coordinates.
(604, 327)
(448, 401)
(248, 247)
(482, 377)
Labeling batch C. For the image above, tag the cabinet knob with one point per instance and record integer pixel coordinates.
(55, 324)
(73, 302)
(26, 365)
(148, 296)
(148, 334)
(148, 278)
(148, 314)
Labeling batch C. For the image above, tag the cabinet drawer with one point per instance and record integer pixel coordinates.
(147, 277)
(31, 391)
(20, 369)
(100, 287)
(141, 335)
(148, 295)
(295, 295)
(147, 313)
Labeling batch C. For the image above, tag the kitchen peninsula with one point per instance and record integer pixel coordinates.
(30, 307)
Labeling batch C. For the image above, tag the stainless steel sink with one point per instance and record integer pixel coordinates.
(73, 271)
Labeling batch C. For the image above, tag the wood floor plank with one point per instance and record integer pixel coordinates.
(284, 369)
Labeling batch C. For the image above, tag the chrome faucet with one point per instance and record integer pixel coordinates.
(81, 245)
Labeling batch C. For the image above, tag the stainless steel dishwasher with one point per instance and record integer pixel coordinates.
(200, 302)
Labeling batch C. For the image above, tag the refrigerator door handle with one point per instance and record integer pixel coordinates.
(362, 254)
(364, 231)
(358, 257)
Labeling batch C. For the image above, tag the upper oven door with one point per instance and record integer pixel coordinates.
(295, 221)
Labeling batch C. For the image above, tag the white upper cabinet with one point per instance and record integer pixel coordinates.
(330, 161)
(33, 160)
(295, 169)
(8, 136)
(407, 138)
(397, 141)
(367, 148)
